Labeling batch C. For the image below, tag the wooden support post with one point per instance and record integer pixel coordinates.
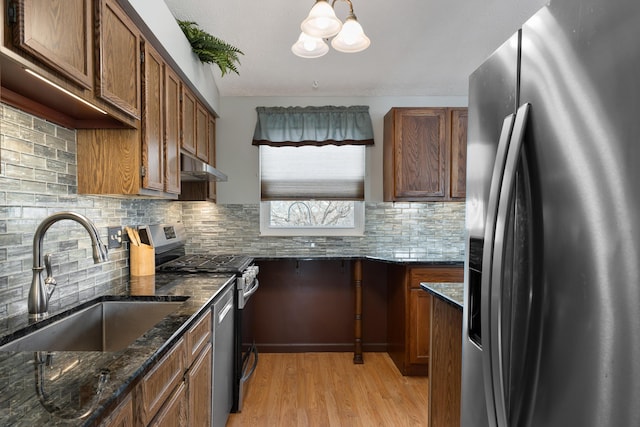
(357, 282)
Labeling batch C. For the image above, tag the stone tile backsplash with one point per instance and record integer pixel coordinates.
(433, 231)
(38, 177)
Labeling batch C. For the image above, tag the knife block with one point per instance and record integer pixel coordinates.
(142, 260)
(142, 285)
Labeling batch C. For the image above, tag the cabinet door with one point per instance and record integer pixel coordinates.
(152, 120)
(172, 131)
(199, 381)
(187, 120)
(419, 153)
(122, 416)
(58, 32)
(419, 326)
(202, 136)
(458, 153)
(212, 154)
(174, 411)
(446, 364)
(198, 337)
(118, 73)
(159, 384)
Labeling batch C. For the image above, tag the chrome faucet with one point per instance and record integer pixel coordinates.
(41, 291)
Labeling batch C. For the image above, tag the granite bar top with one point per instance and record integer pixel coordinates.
(388, 258)
(68, 381)
(452, 293)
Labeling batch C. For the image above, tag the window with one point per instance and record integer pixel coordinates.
(312, 218)
(312, 190)
(312, 169)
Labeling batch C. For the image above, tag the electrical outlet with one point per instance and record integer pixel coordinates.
(115, 237)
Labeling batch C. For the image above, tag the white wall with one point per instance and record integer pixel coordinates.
(236, 157)
(158, 18)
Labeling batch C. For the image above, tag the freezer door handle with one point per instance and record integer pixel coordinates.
(489, 229)
(493, 355)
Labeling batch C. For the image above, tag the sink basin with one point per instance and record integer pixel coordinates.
(103, 326)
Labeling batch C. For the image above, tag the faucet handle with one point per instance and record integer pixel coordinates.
(49, 281)
(47, 265)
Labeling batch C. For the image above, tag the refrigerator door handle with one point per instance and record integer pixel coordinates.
(487, 260)
(495, 351)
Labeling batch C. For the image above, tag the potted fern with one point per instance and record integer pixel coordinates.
(211, 49)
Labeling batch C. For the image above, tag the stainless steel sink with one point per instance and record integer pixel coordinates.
(104, 326)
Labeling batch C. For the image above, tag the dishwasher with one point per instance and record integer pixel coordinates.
(223, 357)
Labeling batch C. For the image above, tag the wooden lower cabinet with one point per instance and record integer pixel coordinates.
(446, 364)
(199, 388)
(409, 314)
(176, 392)
(122, 416)
(174, 412)
(419, 319)
(156, 387)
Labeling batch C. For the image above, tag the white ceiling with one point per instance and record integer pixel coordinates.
(418, 47)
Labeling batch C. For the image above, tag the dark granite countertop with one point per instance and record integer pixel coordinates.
(452, 293)
(69, 382)
(404, 258)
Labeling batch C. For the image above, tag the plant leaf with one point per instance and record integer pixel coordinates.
(211, 49)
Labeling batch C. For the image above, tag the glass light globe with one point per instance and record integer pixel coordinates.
(351, 38)
(322, 21)
(309, 47)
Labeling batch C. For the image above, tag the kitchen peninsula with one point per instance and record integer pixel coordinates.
(446, 352)
(126, 367)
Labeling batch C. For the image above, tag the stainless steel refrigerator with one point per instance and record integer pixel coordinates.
(551, 331)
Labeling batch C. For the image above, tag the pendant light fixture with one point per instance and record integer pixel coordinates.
(323, 23)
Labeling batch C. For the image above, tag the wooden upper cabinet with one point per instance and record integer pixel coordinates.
(58, 33)
(153, 155)
(212, 156)
(202, 133)
(212, 139)
(118, 62)
(187, 120)
(144, 161)
(417, 154)
(203, 190)
(172, 131)
(458, 153)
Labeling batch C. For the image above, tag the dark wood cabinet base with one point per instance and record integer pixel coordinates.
(310, 306)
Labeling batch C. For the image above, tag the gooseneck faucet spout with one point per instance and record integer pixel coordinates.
(41, 291)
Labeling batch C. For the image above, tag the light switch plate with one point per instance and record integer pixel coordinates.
(115, 237)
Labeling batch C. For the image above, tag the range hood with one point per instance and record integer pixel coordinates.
(193, 169)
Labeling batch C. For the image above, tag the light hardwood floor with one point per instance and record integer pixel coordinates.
(327, 389)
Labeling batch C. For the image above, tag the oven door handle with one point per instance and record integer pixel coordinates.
(253, 289)
(252, 351)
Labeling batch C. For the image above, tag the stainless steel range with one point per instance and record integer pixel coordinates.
(169, 243)
(208, 264)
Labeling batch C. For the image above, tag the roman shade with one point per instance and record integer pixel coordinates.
(310, 172)
(326, 125)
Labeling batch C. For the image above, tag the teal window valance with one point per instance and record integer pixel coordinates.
(327, 125)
